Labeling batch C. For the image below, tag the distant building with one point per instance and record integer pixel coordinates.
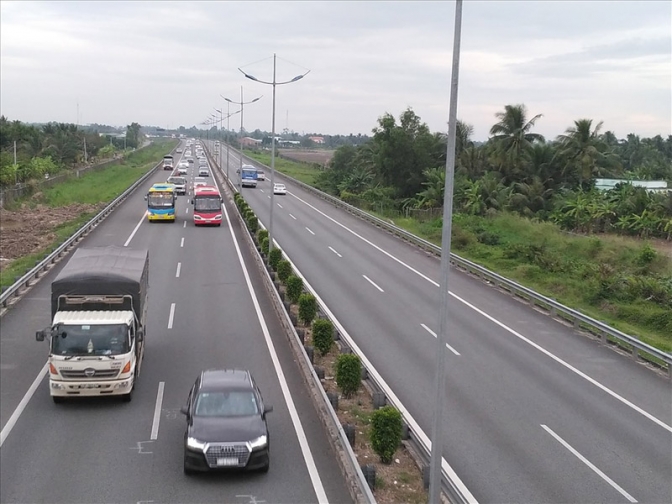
(248, 141)
(317, 139)
(650, 185)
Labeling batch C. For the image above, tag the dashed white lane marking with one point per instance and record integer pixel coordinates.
(308, 229)
(157, 412)
(279, 205)
(339, 255)
(182, 242)
(179, 267)
(589, 464)
(373, 283)
(185, 224)
(434, 334)
(292, 216)
(171, 316)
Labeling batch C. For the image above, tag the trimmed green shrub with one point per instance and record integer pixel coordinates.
(264, 246)
(284, 270)
(294, 287)
(274, 257)
(348, 374)
(249, 213)
(386, 430)
(323, 335)
(252, 223)
(307, 308)
(261, 234)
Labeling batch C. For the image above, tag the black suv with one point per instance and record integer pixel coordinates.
(226, 423)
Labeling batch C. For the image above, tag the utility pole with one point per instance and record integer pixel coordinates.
(16, 170)
(86, 159)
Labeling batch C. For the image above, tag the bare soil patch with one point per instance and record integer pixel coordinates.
(308, 156)
(30, 230)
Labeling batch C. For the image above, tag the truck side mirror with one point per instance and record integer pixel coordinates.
(184, 411)
(39, 336)
(145, 197)
(191, 201)
(141, 334)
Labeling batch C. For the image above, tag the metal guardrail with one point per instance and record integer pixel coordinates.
(606, 333)
(44, 265)
(364, 490)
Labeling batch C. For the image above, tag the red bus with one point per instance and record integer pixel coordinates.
(207, 206)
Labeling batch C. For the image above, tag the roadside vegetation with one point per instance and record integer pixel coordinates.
(35, 225)
(304, 172)
(528, 208)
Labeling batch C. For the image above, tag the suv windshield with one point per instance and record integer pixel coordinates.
(177, 180)
(226, 404)
(106, 339)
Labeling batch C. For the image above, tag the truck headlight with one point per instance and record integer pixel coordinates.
(260, 442)
(195, 443)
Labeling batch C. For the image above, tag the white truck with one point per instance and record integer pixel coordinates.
(99, 312)
(168, 162)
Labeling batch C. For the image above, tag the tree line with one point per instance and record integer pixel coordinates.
(403, 167)
(53, 147)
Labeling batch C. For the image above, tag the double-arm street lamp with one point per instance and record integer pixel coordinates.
(273, 83)
(228, 116)
(242, 104)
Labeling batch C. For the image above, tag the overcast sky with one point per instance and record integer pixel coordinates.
(166, 63)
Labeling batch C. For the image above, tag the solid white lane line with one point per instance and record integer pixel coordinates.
(293, 413)
(500, 324)
(434, 334)
(157, 412)
(308, 229)
(179, 267)
(372, 283)
(388, 391)
(171, 316)
(182, 242)
(22, 405)
(279, 205)
(339, 255)
(589, 464)
(292, 216)
(136, 229)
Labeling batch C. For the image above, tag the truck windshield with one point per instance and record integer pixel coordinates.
(105, 339)
(160, 200)
(250, 174)
(207, 204)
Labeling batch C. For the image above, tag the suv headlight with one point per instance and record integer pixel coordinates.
(195, 443)
(260, 442)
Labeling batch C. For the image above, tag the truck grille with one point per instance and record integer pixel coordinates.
(85, 374)
(218, 451)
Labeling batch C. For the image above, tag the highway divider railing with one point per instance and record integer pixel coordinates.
(451, 485)
(606, 334)
(47, 263)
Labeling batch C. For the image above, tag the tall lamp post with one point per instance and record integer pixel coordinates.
(221, 140)
(273, 83)
(242, 104)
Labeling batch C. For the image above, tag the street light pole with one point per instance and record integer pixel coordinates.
(221, 117)
(439, 385)
(273, 83)
(242, 104)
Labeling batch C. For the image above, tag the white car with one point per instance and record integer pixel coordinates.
(261, 175)
(279, 189)
(203, 171)
(199, 182)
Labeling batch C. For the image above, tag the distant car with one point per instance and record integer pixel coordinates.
(279, 189)
(261, 175)
(203, 171)
(198, 181)
(183, 168)
(180, 184)
(226, 423)
(179, 151)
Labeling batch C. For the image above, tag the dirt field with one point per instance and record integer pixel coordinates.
(308, 156)
(29, 230)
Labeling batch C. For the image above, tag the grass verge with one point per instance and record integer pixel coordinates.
(95, 188)
(300, 171)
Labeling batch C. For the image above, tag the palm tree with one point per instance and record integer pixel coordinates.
(463, 132)
(530, 198)
(432, 195)
(585, 151)
(512, 136)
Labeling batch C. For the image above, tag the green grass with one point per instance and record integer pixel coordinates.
(300, 171)
(92, 188)
(569, 269)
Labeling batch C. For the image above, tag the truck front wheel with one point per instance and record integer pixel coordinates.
(57, 399)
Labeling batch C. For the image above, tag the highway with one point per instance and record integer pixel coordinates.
(202, 314)
(534, 412)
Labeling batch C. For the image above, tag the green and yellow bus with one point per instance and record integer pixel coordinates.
(161, 202)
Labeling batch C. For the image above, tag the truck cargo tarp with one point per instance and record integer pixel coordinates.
(104, 271)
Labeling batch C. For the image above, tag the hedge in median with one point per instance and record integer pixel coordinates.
(307, 308)
(252, 223)
(261, 234)
(323, 335)
(284, 270)
(386, 431)
(264, 246)
(294, 287)
(274, 257)
(348, 373)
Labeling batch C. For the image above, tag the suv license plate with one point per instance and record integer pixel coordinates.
(227, 461)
